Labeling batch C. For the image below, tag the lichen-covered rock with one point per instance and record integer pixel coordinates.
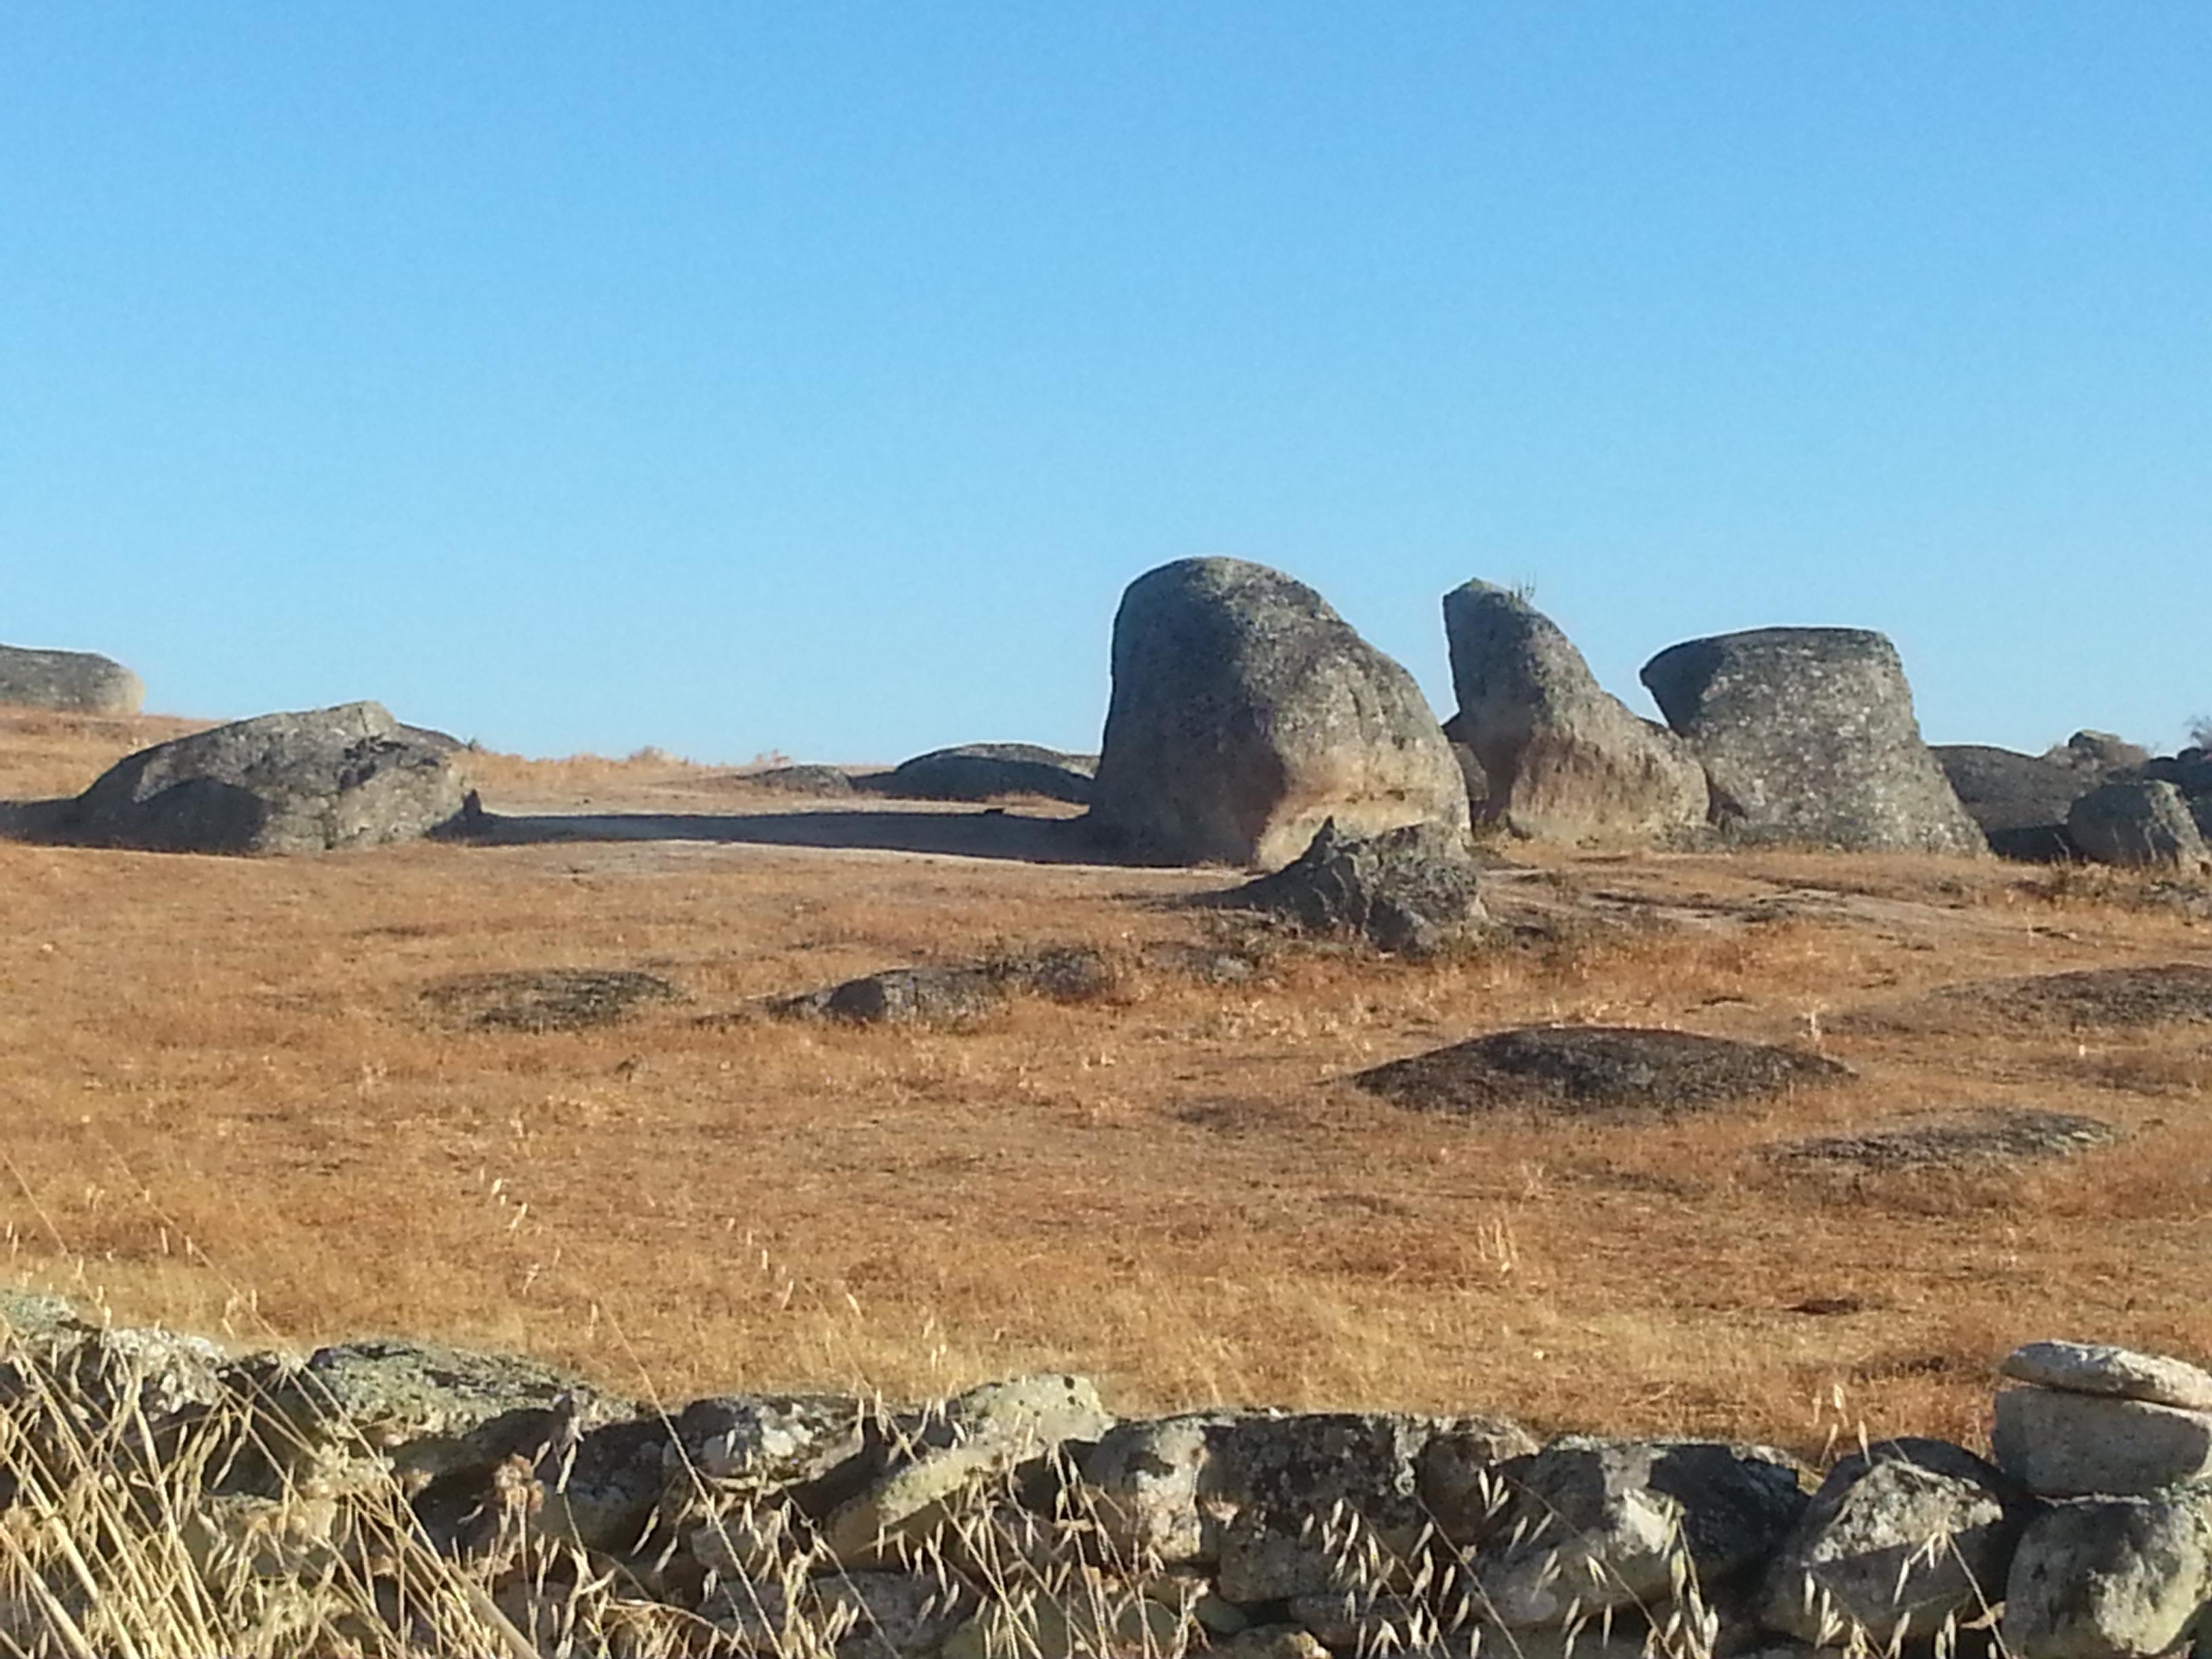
(2137, 821)
(344, 777)
(902, 996)
(2119, 1577)
(433, 1412)
(1899, 1542)
(1597, 1524)
(1246, 713)
(1286, 1505)
(1808, 736)
(944, 1465)
(1409, 891)
(74, 682)
(1573, 1069)
(1563, 759)
(2068, 1445)
(2098, 1368)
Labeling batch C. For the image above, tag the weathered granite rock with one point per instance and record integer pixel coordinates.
(1409, 891)
(2020, 801)
(1807, 735)
(343, 777)
(2120, 1578)
(2098, 1368)
(1993, 1135)
(985, 771)
(1243, 1491)
(539, 1000)
(802, 780)
(433, 1412)
(2067, 1445)
(75, 681)
(902, 996)
(2098, 754)
(1899, 1540)
(2137, 821)
(1596, 1524)
(1246, 713)
(944, 1464)
(1563, 759)
(1595, 1068)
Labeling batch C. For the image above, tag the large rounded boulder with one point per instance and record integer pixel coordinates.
(76, 682)
(1246, 714)
(328, 778)
(1808, 736)
(1564, 760)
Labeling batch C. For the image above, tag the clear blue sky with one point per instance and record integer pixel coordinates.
(813, 376)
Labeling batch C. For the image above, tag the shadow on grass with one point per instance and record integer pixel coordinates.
(989, 835)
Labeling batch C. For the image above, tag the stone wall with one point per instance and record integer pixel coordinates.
(1023, 1518)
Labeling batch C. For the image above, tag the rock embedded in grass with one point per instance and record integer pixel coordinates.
(1998, 1135)
(1576, 1069)
(953, 995)
(2172, 992)
(540, 1000)
(1410, 891)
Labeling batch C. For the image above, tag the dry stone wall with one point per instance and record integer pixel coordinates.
(1022, 1517)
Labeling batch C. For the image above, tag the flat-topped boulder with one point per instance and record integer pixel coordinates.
(2099, 1368)
(74, 682)
(1246, 714)
(326, 778)
(1580, 1069)
(1564, 760)
(1808, 736)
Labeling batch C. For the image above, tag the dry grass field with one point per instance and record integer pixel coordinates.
(230, 1107)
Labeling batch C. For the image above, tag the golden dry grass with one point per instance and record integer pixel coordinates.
(226, 1094)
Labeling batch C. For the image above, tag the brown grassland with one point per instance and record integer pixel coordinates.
(229, 1108)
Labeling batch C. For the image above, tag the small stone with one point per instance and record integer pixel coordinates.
(2119, 1373)
(2068, 1445)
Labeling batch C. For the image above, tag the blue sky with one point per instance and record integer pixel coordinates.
(813, 377)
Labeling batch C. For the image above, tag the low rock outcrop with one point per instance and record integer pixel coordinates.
(1808, 736)
(986, 771)
(1409, 891)
(74, 682)
(1591, 1069)
(1246, 714)
(333, 778)
(1563, 758)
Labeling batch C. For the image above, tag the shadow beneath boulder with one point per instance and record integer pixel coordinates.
(46, 822)
(988, 835)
